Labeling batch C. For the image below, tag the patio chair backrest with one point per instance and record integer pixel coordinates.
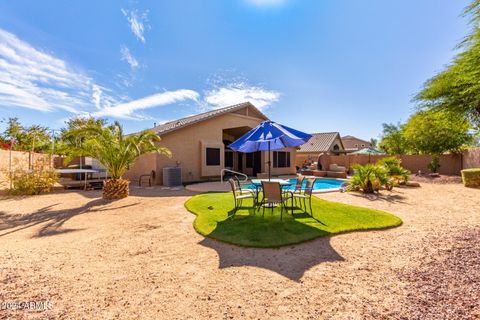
(300, 178)
(262, 175)
(272, 191)
(309, 185)
(237, 182)
(233, 185)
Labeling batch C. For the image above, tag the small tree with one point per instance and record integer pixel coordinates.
(457, 89)
(434, 165)
(68, 142)
(115, 152)
(393, 140)
(435, 133)
(33, 138)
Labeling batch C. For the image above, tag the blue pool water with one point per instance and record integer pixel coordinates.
(320, 184)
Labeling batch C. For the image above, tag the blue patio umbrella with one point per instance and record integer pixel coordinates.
(268, 136)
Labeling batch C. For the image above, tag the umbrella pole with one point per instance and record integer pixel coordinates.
(269, 162)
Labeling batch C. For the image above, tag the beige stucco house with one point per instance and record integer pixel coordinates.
(324, 142)
(199, 145)
(352, 143)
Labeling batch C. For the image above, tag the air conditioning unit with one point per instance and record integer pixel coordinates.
(172, 176)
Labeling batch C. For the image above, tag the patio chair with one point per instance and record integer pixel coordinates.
(239, 195)
(306, 195)
(299, 184)
(273, 194)
(239, 187)
(150, 177)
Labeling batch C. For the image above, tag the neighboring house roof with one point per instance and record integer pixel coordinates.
(345, 138)
(320, 142)
(184, 122)
(352, 143)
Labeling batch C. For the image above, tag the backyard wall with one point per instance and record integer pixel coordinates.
(305, 156)
(450, 164)
(471, 158)
(21, 160)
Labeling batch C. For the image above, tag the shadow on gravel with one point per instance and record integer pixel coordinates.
(291, 262)
(53, 219)
(388, 197)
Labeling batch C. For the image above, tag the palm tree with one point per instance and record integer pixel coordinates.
(368, 178)
(115, 152)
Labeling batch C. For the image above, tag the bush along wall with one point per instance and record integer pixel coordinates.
(471, 177)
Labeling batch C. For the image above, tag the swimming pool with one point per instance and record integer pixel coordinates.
(320, 184)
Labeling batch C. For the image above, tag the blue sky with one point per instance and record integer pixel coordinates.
(314, 65)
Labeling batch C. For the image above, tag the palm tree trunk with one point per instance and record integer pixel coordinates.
(369, 187)
(115, 189)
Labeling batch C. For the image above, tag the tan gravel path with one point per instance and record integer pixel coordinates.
(139, 258)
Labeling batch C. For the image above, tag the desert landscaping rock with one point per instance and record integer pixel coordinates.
(140, 258)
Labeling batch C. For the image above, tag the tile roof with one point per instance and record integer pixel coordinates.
(353, 138)
(320, 142)
(183, 122)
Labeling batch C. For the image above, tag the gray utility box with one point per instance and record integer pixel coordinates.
(172, 176)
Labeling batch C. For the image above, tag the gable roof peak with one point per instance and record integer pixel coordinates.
(186, 121)
(320, 142)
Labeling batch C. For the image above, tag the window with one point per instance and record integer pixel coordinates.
(336, 147)
(249, 160)
(363, 145)
(356, 145)
(281, 159)
(213, 156)
(229, 159)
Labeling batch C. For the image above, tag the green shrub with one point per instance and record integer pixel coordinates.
(434, 165)
(396, 173)
(38, 180)
(471, 177)
(368, 178)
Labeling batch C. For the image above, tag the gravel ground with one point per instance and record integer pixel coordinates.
(448, 286)
(426, 178)
(139, 258)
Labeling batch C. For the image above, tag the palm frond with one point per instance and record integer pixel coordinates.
(115, 152)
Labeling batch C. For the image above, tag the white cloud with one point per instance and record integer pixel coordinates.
(241, 92)
(137, 22)
(128, 110)
(127, 56)
(103, 100)
(97, 95)
(266, 3)
(31, 78)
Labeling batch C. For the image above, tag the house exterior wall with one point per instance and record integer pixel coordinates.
(354, 143)
(280, 171)
(188, 146)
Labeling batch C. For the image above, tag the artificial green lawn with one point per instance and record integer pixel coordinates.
(246, 227)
